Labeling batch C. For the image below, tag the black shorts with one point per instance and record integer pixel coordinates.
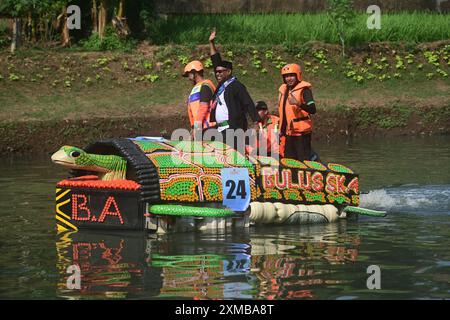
(298, 147)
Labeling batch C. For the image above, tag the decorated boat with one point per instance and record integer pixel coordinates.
(159, 185)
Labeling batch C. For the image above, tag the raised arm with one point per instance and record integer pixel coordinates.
(216, 59)
(212, 46)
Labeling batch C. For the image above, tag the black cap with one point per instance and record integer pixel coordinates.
(261, 105)
(225, 64)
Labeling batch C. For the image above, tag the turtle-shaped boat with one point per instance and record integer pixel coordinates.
(159, 185)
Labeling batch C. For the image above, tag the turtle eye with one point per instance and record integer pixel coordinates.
(75, 154)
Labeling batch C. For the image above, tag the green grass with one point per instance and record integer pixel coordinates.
(297, 28)
(22, 101)
(41, 90)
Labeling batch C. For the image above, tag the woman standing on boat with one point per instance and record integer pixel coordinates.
(295, 105)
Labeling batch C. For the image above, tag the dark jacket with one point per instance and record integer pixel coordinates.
(238, 101)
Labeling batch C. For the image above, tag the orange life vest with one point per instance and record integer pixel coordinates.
(194, 103)
(298, 121)
(267, 132)
(270, 127)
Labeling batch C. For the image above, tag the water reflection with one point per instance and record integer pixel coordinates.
(111, 266)
(277, 263)
(410, 245)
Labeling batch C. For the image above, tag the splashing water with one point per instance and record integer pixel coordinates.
(415, 199)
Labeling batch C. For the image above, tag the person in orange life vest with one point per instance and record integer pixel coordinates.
(296, 105)
(268, 129)
(200, 97)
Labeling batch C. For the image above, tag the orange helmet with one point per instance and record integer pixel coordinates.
(193, 65)
(292, 68)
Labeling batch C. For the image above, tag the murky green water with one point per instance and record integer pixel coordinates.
(409, 177)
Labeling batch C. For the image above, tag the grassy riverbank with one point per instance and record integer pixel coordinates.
(51, 97)
(292, 29)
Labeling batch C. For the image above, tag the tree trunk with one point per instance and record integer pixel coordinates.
(32, 22)
(102, 16)
(94, 15)
(65, 36)
(45, 29)
(121, 11)
(120, 21)
(29, 27)
(15, 43)
(342, 44)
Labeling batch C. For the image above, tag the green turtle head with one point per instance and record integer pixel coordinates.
(71, 157)
(108, 167)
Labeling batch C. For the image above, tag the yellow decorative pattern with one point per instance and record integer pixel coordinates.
(63, 219)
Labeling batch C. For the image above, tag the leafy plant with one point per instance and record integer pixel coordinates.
(110, 41)
(410, 58)
(432, 58)
(14, 77)
(151, 77)
(269, 54)
(102, 61)
(442, 73)
(350, 74)
(279, 62)
(207, 63)
(183, 59)
(147, 64)
(256, 61)
(399, 63)
(342, 16)
(320, 55)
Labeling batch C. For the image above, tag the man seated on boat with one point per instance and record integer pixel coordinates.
(267, 137)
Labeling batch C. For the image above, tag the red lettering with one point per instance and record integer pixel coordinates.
(291, 184)
(331, 186)
(288, 270)
(106, 212)
(82, 252)
(109, 255)
(354, 185)
(268, 175)
(341, 184)
(305, 185)
(317, 181)
(76, 206)
(281, 184)
(83, 248)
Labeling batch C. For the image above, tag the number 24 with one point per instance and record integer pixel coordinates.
(240, 191)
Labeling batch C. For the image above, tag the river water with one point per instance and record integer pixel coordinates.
(408, 177)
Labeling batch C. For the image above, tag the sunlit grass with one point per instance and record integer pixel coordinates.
(298, 28)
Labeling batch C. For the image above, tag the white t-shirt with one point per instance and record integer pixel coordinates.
(221, 111)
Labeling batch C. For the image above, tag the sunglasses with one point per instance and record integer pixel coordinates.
(221, 71)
